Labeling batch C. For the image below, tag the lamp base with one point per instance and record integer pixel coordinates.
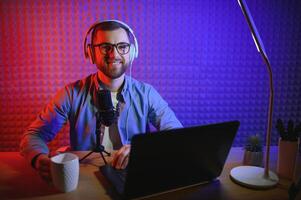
(253, 177)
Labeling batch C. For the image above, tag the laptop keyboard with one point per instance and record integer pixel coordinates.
(113, 173)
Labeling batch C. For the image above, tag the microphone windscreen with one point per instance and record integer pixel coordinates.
(105, 100)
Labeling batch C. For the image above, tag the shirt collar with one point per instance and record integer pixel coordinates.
(121, 94)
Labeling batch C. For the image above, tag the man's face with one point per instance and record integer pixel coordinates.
(111, 64)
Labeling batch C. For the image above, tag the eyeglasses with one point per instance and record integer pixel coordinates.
(106, 48)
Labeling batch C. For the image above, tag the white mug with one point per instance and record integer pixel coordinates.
(65, 171)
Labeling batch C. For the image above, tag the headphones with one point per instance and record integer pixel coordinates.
(89, 51)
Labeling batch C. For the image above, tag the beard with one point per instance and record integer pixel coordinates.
(113, 71)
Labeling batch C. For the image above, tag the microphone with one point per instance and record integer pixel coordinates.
(107, 114)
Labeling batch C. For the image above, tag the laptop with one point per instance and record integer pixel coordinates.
(165, 161)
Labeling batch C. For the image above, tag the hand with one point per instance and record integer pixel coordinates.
(121, 157)
(43, 167)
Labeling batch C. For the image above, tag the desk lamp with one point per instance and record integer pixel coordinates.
(251, 176)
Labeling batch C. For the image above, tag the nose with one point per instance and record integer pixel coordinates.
(114, 53)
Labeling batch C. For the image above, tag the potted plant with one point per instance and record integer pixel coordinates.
(253, 154)
(287, 148)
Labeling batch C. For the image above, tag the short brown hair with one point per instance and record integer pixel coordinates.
(109, 26)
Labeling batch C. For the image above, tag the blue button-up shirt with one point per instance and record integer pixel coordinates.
(140, 103)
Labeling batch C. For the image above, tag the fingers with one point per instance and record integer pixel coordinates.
(124, 162)
(43, 167)
(54, 153)
(46, 176)
(121, 157)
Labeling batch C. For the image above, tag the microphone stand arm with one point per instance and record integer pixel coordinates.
(98, 147)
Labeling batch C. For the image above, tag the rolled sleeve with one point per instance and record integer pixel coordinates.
(47, 124)
(160, 114)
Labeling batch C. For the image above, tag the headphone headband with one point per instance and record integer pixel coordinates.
(93, 26)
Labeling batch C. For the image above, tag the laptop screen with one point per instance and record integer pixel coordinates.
(167, 160)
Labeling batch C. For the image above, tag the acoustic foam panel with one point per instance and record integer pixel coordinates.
(198, 54)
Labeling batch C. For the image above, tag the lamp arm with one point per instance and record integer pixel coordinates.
(270, 114)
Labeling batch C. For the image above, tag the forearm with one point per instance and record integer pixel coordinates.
(32, 145)
(45, 127)
(167, 120)
(160, 114)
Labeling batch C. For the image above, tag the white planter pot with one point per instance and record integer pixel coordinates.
(253, 158)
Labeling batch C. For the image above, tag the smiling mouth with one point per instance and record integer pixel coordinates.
(115, 62)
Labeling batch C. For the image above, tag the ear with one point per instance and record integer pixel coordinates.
(90, 53)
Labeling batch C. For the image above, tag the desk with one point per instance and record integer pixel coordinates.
(19, 181)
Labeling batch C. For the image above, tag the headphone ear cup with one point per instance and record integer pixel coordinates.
(132, 52)
(90, 54)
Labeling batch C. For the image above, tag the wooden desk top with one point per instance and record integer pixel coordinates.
(19, 181)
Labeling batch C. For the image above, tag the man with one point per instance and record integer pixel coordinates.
(112, 50)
